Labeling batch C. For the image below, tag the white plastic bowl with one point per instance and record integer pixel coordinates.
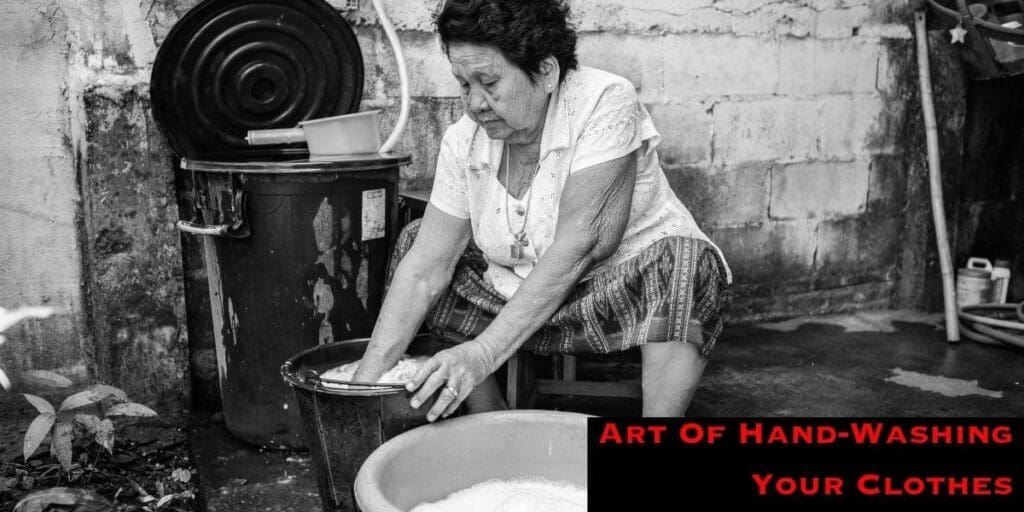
(343, 135)
(428, 463)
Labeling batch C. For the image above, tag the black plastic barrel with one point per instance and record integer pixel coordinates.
(343, 426)
(296, 253)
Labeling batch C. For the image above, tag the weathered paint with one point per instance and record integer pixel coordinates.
(323, 295)
(133, 281)
(217, 308)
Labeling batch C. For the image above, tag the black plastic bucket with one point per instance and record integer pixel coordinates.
(341, 427)
(296, 256)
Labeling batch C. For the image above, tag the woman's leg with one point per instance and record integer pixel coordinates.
(671, 373)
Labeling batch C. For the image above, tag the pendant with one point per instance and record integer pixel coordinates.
(516, 248)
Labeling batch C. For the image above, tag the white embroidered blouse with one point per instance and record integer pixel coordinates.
(593, 117)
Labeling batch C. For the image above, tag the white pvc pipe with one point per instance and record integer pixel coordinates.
(403, 76)
(935, 180)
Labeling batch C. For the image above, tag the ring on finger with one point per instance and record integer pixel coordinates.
(451, 390)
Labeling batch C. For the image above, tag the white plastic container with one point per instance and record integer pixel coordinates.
(974, 283)
(1000, 280)
(343, 135)
(339, 135)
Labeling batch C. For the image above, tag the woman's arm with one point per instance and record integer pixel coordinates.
(593, 212)
(421, 277)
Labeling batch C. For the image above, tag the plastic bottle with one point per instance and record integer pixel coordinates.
(974, 282)
(1000, 280)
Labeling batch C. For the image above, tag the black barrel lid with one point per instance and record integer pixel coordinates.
(229, 66)
(288, 161)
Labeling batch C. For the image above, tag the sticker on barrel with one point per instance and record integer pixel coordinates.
(373, 214)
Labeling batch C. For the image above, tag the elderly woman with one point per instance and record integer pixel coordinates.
(551, 226)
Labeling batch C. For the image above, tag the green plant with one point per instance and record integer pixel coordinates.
(66, 424)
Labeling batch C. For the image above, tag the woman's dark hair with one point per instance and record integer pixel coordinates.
(525, 31)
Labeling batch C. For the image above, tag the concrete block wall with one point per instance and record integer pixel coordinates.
(789, 129)
(783, 123)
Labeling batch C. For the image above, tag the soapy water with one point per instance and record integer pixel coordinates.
(515, 495)
(402, 373)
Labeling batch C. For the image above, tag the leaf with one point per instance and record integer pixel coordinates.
(104, 391)
(63, 498)
(130, 409)
(90, 421)
(40, 404)
(4, 381)
(165, 500)
(46, 378)
(36, 432)
(181, 475)
(105, 435)
(80, 399)
(60, 444)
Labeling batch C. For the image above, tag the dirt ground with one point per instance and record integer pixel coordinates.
(149, 469)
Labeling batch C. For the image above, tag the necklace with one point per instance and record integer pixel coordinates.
(518, 237)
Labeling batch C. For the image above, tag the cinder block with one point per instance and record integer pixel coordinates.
(686, 129)
(404, 14)
(886, 133)
(849, 126)
(430, 73)
(429, 118)
(887, 31)
(773, 129)
(369, 41)
(887, 186)
(857, 248)
(626, 16)
(775, 252)
(736, 17)
(818, 189)
(729, 197)
(637, 58)
(813, 66)
(719, 65)
(772, 19)
(835, 23)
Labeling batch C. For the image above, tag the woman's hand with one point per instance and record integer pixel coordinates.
(369, 370)
(455, 372)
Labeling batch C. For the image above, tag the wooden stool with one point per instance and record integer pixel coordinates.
(523, 387)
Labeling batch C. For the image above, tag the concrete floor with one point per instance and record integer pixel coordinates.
(869, 364)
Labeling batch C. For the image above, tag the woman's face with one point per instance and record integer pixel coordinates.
(499, 96)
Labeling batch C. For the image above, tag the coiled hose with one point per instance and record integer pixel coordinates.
(1002, 324)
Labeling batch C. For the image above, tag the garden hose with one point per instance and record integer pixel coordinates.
(989, 329)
